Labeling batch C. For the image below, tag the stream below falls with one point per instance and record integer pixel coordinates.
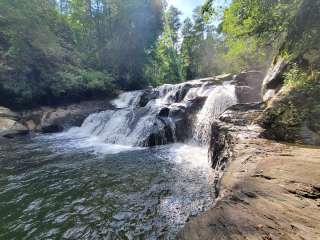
(109, 179)
(54, 187)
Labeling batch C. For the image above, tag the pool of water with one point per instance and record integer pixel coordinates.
(56, 187)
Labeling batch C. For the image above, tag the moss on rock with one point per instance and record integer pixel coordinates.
(293, 115)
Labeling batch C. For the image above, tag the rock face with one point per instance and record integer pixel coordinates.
(50, 119)
(293, 116)
(7, 113)
(265, 193)
(249, 85)
(273, 81)
(9, 123)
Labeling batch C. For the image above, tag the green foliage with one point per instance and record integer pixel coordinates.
(165, 65)
(51, 50)
(294, 114)
(258, 29)
(199, 53)
(78, 48)
(295, 77)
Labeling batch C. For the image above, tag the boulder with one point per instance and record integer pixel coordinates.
(273, 80)
(147, 96)
(7, 113)
(10, 128)
(9, 123)
(57, 119)
(248, 86)
(293, 116)
(164, 112)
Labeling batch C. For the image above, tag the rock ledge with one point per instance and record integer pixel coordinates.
(268, 191)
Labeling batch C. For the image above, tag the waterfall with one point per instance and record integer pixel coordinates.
(219, 99)
(162, 115)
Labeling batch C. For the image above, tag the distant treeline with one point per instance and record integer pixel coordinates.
(53, 51)
(65, 50)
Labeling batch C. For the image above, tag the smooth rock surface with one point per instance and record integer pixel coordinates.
(57, 119)
(249, 86)
(11, 128)
(269, 190)
(7, 113)
(273, 81)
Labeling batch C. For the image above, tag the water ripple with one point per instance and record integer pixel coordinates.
(51, 190)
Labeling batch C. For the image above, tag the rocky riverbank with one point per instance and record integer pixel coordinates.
(171, 105)
(48, 119)
(269, 190)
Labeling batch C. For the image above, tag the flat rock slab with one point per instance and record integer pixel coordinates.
(269, 192)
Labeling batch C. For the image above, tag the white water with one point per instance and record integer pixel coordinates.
(131, 125)
(219, 99)
(145, 193)
(127, 99)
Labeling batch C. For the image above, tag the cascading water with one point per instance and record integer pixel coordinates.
(165, 116)
(92, 182)
(120, 125)
(219, 99)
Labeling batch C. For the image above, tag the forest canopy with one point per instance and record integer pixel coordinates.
(52, 51)
(72, 49)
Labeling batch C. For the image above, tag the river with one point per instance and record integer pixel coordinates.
(57, 187)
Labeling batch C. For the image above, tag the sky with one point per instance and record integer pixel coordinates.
(186, 6)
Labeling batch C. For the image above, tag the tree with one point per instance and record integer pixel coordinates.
(187, 49)
(54, 51)
(202, 48)
(165, 64)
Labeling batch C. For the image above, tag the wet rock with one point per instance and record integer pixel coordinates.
(195, 105)
(11, 128)
(57, 119)
(164, 112)
(242, 114)
(225, 77)
(161, 134)
(147, 96)
(183, 92)
(220, 147)
(173, 122)
(9, 124)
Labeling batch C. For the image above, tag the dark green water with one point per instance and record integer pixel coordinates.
(53, 187)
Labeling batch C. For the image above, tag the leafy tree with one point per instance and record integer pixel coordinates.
(165, 65)
(202, 48)
(53, 51)
(254, 28)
